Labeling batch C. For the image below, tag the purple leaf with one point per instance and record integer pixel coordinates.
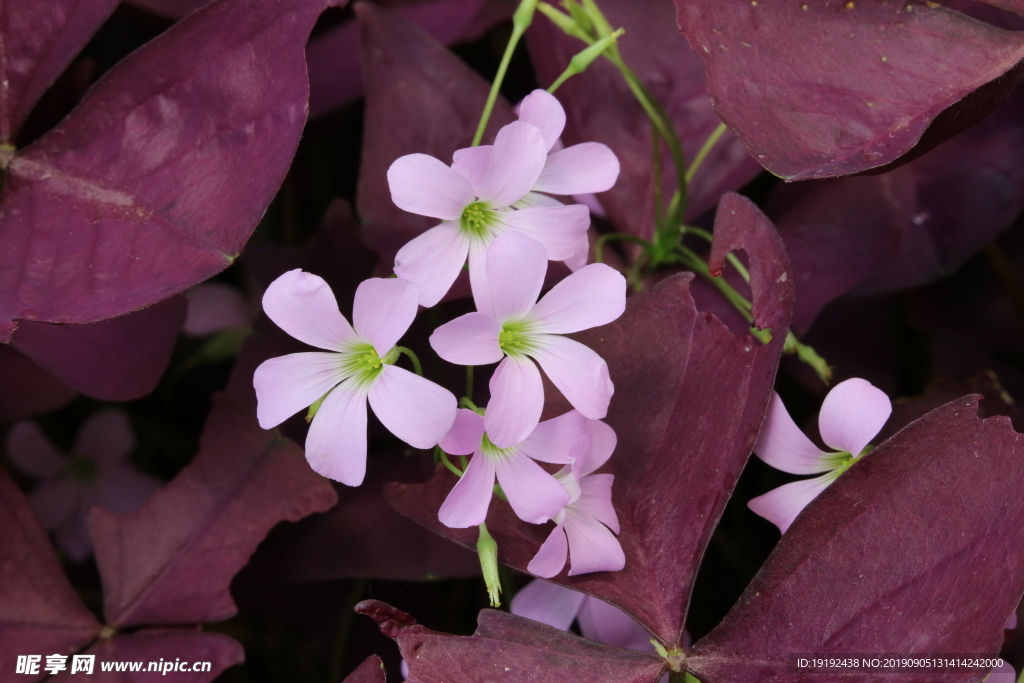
(833, 88)
(157, 179)
(26, 389)
(39, 610)
(172, 9)
(689, 399)
(114, 360)
(335, 77)
(172, 561)
(370, 671)
(508, 648)
(420, 99)
(674, 74)
(161, 645)
(37, 42)
(926, 535)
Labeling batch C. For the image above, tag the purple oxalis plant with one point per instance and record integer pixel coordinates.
(601, 244)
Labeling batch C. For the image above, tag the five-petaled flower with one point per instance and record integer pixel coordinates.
(535, 495)
(97, 474)
(359, 366)
(511, 326)
(476, 206)
(586, 524)
(852, 414)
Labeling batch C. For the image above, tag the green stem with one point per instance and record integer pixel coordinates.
(466, 402)
(520, 22)
(599, 244)
(412, 356)
(469, 383)
(448, 463)
(704, 150)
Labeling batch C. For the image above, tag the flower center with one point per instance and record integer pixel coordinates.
(477, 220)
(363, 364)
(515, 339)
(492, 451)
(83, 470)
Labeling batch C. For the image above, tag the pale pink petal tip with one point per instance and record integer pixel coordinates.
(516, 266)
(852, 414)
(592, 546)
(517, 400)
(467, 503)
(544, 111)
(303, 305)
(782, 505)
(548, 603)
(516, 162)
(412, 408)
(423, 185)
(784, 446)
(382, 311)
(551, 557)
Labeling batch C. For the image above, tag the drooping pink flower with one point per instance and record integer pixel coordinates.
(584, 527)
(535, 495)
(96, 474)
(358, 366)
(476, 210)
(852, 414)
(578, 171)
(511, 326)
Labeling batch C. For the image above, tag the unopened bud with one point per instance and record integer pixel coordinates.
(487, 549)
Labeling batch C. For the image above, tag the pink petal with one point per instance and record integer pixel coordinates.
(580, 257)
(535, 495)
(852, 414)
(545, 112)
(781, 506)
(603, 441)
(287, 384)
(580, 169)
(552, 440)
(412, 408)
(383, 310)
(592, 202)
(1011, 622)
(56, 502)
(423, 185)
(579, 373)
(478, 278)
(1004, 673)
(215, 307)
(432, 261)
(32, 452)
(122, 488)
(569, 476)
(336, 441)
(304, 306)
(517, 399)
(516, 266)
(533, 200)
(784, 446)
(548, 603)
(594, 295)
(73, 538)
(471, 339)
(466, 433)
(467, 503)
(105, 437)
(471, 163)
(516, 162)
(551, 555)
(602, 623)
(596, 500)
(560, 229)
(592, 547)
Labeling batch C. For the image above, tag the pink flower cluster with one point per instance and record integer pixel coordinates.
(497, 212)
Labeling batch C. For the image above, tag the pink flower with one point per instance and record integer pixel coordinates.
(852, 414)
(534, 495)
(475, 206)
(578, 170)
(558, 606)
(586, 524)
(511, 326)
(359, 366)
(1004, 673)
(96, 474)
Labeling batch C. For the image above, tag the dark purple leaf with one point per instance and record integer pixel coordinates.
(172, 9)
(172, 561)
(37, 42)
(39, 610)
(600, 107)
(917, 549)
(370, 671)
(26, 389)
(190, 647)
(157, 179)
(420, 99)
(820, 89)
(689, 399)
(508, 648)
(114, 360)
(335, 76)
